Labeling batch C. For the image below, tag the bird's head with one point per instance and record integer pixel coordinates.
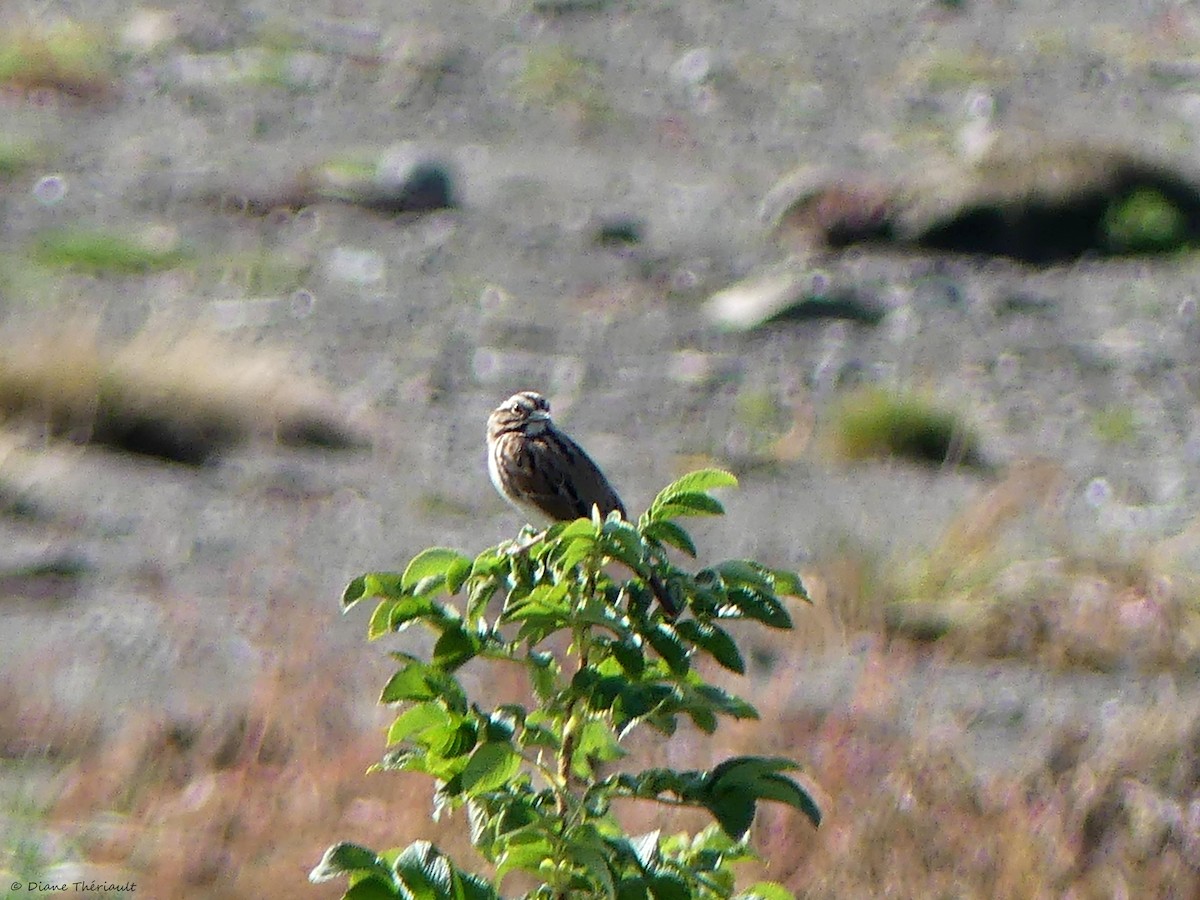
(526, 412)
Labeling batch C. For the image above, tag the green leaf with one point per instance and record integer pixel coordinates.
(454, 648)
(410, 683)
(747, 779)
(580, 528)
(575, 553)
(743, 572)
(733, 810)
(629, 656)
(457, 574)
(490, 766)
(761, 607)
(789, 584)
(354, 592)
(632, 889)
(416, 720)
(714, 641)
(781, 789)
(371, 888)
(766, 890)
(687, 505)
(543, 674)
(666, 643)
(350, 859)
(594, 861)
(381, 619)
(492, 561)
(623, 542)
(524, 850)
(425, 872)
(595, 743)
(700, 480)
(543, 600)
(669, 532)
(383, 584)
(434, 563)
(705, 718)
(669, 886)
(455, 742)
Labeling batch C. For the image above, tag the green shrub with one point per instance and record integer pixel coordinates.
(537, 801)
(874, 422)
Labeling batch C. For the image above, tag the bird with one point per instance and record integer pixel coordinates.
(548, 477)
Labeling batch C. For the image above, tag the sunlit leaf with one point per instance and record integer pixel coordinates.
(350, 859)
(434, 562)
(489, 767)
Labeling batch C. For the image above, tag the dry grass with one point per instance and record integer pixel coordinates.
(182, 396)
(67, 58)
(1005, 581)
(243, 802)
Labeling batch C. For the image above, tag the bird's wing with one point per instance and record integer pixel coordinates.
(564, 482)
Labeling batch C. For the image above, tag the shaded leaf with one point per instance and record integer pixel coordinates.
(668, 886)
(669, 532)
(425, 872)
(666, 643)
(454, 648)
(745, 573)
(373, 889)
(714, 641)
(354, 592)
(761, 607)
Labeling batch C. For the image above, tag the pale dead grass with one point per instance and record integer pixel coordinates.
(179, 395)
(67, 58)
(987, 590)
(243, 802)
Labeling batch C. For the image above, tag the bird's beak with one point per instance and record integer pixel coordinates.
(539, 416)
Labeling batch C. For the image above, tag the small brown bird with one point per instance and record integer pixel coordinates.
(545, 474)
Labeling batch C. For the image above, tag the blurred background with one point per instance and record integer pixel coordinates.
(921, 275)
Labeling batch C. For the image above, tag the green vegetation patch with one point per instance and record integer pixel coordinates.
(1115, 425)
(18, 156)
(66, 57)
(102, 252)
(874, 422)
(1144, 221)
(556, 78)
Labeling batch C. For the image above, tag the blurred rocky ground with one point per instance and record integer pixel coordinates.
(387, 217)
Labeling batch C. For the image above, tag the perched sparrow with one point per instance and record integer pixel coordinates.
(545, 474)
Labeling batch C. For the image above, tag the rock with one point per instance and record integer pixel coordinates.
(789, 296)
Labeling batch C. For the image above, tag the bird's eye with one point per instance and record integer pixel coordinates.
(515, 409)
